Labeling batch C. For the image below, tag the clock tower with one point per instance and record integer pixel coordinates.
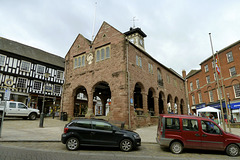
(136, 36)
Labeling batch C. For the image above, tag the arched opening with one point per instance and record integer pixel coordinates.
(161, 103)
(101, 99)
(80, 102)
(181, 106)
(138, 101)
(150, 102)
(169, 104)
(175, 109)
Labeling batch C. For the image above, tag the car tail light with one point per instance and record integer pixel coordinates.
(65, 130)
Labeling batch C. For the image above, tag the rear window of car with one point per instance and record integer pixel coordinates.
(172, 123)
(190, 124)
(82, 124)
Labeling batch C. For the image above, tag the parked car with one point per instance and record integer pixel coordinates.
(94, 132)
(18, 109)
(181, 131)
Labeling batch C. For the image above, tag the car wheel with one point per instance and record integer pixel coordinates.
(72, 143)
(126, 145)
(33, 116)
(232, 150)
(176, 147)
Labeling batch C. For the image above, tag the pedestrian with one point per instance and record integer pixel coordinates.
(53, 112)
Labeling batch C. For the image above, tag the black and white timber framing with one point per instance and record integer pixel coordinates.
(24, 68)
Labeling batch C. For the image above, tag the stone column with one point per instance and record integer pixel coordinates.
(156, 106)
(164, 105)
(144, 98)
(90, 105)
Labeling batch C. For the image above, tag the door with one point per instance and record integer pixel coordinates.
(103, 134)
(191, 133)
(22, 110)
(12, 109)
(212, 137)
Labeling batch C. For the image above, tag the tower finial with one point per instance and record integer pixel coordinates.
(134, 21)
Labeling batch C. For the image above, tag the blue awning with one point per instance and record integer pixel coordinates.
(200, 106)
(234, 105)
(217, 105)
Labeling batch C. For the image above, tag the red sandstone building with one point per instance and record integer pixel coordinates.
(202, 85)
(115, 70)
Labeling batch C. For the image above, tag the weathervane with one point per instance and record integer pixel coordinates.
(134, 21)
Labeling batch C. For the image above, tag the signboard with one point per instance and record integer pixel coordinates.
(7, 95)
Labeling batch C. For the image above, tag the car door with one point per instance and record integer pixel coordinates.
(191, 133)
(212, 137)
(22, 110)
(12, 109)
(103, 134)
(83, 129)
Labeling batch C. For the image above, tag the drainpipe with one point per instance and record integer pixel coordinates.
(128, 84)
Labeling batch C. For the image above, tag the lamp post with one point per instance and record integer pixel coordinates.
(230, 107)
(46, 75)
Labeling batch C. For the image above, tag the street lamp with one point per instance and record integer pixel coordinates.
(230, 107)
(46, 75)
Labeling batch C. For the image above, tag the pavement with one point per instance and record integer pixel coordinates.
(17, 130)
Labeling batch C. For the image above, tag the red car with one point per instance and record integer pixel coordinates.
(181, 131)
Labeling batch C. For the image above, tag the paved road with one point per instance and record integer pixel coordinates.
(58, 151)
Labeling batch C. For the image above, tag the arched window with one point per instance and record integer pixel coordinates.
(159, 78)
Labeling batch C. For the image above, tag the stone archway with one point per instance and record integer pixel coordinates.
(161, 102)
(101, 99)
(176, 106)
(80, 102)
(138, 98)
(181, 106)
(150, 101)
(169, 103)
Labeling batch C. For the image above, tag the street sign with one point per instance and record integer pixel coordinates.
(7, 95)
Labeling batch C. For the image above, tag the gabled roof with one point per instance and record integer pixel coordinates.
(192, 72)
(30, 52)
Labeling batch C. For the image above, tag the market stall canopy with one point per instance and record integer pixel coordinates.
(210, 109)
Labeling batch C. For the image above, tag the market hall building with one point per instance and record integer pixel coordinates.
(115, 70)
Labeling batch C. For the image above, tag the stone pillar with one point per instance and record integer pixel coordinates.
(156, 106)
(90, 105)
(145, 106)
(178, 108)
(164, 105)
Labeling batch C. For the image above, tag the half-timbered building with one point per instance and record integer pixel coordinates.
(23, 70)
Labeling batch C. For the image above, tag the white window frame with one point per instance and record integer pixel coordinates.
(208, 79)
(236, 90)
(235, 73)
(0, 78)
(200, 97)
(150, 68)
(193, 99)
(43, 67)
(41, 83)
(2, 59)
(206, 68)
(229, 58)
(191, 86)
(55, 88)
(24, 86)
(59, 74)
(197, 83)
(211, 96)
(28, 66)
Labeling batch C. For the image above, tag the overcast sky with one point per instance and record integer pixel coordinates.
(177, 30)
